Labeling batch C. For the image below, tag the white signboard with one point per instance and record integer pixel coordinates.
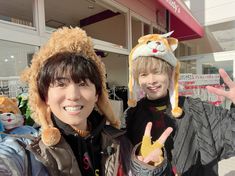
(194, 85)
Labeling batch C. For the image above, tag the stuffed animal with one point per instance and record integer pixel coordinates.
(10, 115)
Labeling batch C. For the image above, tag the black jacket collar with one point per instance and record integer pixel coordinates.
(95, 119)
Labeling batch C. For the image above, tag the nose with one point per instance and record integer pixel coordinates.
(151, 79)
(73, 92)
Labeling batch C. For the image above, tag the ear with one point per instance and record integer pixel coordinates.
(14, 100)
(173, 43)
(96, 98)
(46, 101)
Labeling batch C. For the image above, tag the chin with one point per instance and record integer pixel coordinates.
(156, 97)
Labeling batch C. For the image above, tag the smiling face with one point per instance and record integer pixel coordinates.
(72, 102)
(70, 85)
(153, 76)
(154, 84)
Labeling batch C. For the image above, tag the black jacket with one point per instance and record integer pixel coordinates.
(202, 136)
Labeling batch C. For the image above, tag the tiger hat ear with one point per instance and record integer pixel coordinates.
(173, 43)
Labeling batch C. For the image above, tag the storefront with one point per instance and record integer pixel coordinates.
(114, 25)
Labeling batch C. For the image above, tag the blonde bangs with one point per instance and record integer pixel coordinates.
(150, 64)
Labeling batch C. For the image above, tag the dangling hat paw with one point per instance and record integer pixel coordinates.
(51, 136)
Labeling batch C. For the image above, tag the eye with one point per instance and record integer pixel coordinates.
(158, 43)
(157, 71)
(59, 84)
(143, 74)
(82, 84)
(1, 112)
(148, 42)
(11, 112)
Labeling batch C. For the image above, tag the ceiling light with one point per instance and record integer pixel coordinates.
(92, 1)
(90, 7)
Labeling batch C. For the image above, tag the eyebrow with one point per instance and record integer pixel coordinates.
(62, 79)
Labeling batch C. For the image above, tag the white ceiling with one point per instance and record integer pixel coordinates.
(217, 17)
(224, 34)
(217, 38)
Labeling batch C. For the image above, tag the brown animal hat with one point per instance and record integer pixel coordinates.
(63, 40)
(159, 46)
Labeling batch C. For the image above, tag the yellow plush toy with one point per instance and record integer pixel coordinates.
(10, 115)
(147, 147)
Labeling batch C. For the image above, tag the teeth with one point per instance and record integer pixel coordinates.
(153, 88)
(73, 108)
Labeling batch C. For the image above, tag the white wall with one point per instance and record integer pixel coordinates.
(111, 30)
(209, 12)
(145, 8)
(117, 69)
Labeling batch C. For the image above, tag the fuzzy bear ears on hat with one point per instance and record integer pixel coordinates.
(160, 46)
(63, 40)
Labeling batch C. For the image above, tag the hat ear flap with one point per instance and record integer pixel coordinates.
(173, 91)
(50, 135)
(105, 107)
(131, 98)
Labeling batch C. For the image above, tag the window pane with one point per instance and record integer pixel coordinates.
(213, 67)
(136, 26)
(15, 11)
(14, 57)
(146, 29)
(188, 66)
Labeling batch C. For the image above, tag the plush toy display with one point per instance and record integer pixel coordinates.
(24, 108)
(10, 115)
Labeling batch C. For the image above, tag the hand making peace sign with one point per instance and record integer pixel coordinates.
(152, 152)
(230, 94)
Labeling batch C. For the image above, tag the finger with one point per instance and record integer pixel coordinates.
(162, 139)
(141, 158)
(159, 161)
(217, 91)
(148, 129)
(226, 78)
